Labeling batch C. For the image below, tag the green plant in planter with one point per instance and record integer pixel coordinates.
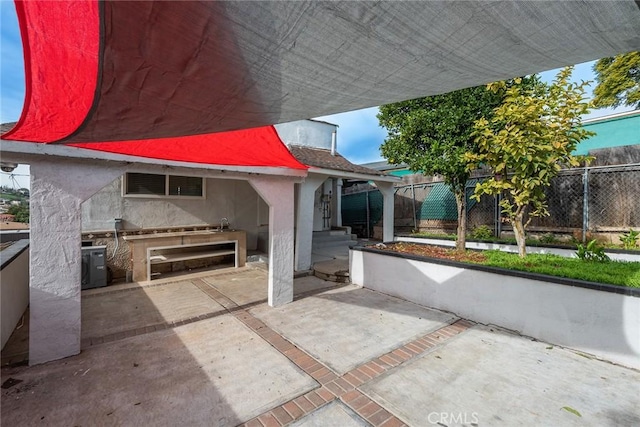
(630, 240)
(482, 232)
(592, 252)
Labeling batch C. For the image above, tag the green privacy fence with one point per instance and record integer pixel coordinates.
(431, 201)
(440, 202)
(600, 199)
(361, 211)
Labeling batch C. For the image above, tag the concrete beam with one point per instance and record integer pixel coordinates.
(57, 191)
(278, 193)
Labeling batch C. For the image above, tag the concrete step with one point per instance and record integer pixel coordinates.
(333, 235)
(328, 238)
(258, 258)
(327, 245)
(343, 238)
(333, 232)
(322, 240)
(329, 233)
(336, 270)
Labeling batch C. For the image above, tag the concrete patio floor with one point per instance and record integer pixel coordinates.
(205, 349)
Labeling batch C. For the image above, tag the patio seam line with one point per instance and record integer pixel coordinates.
(119, 291)
(229, 306)
(128, 333)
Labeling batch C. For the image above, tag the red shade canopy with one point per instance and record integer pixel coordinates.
(63, 58)
(249, 147)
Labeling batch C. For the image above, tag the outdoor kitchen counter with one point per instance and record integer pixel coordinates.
(141, 244)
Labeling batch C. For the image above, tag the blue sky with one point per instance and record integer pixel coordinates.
(359, 134)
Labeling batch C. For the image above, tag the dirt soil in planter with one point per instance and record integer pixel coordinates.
(432, 251)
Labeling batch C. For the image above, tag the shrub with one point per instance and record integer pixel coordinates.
(548, 239)
(630, 240)
(482, 232)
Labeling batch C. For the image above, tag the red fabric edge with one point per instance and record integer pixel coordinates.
(260, 147)
(61, 41)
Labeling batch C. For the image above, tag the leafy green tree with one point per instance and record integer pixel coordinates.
(20, 212)
(527, 141)
(618, 81)
(432, 134)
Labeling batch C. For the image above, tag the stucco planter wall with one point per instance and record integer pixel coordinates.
(602, 320)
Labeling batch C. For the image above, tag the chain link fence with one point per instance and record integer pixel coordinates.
(581, 202)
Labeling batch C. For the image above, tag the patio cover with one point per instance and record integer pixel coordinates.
(137, 77)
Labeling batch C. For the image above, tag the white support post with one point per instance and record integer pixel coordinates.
(278, 193)
(388, 194)
(337, 195)
(57, 191)
(304, 221)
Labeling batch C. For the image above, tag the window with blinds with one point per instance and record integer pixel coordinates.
(185, 186)
(160, 185)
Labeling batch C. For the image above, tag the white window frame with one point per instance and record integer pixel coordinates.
(166, 188)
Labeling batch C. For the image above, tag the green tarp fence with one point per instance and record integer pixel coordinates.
(439, 204)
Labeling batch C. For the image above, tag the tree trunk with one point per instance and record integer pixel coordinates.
(518, 229)
(461, 239)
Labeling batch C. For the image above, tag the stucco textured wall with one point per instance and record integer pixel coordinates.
(232, 199)
(57, 191)
(225, 198)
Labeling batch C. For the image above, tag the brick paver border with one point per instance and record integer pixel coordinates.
(343, 387)
(333, 386)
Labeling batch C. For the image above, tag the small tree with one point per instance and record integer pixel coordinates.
(527, 141)
(618, 81)
(20, 212)
(432, 134)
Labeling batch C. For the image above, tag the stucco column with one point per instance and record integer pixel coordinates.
(278, 193)
(57, 190)
(304, 221)
(388, 195)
